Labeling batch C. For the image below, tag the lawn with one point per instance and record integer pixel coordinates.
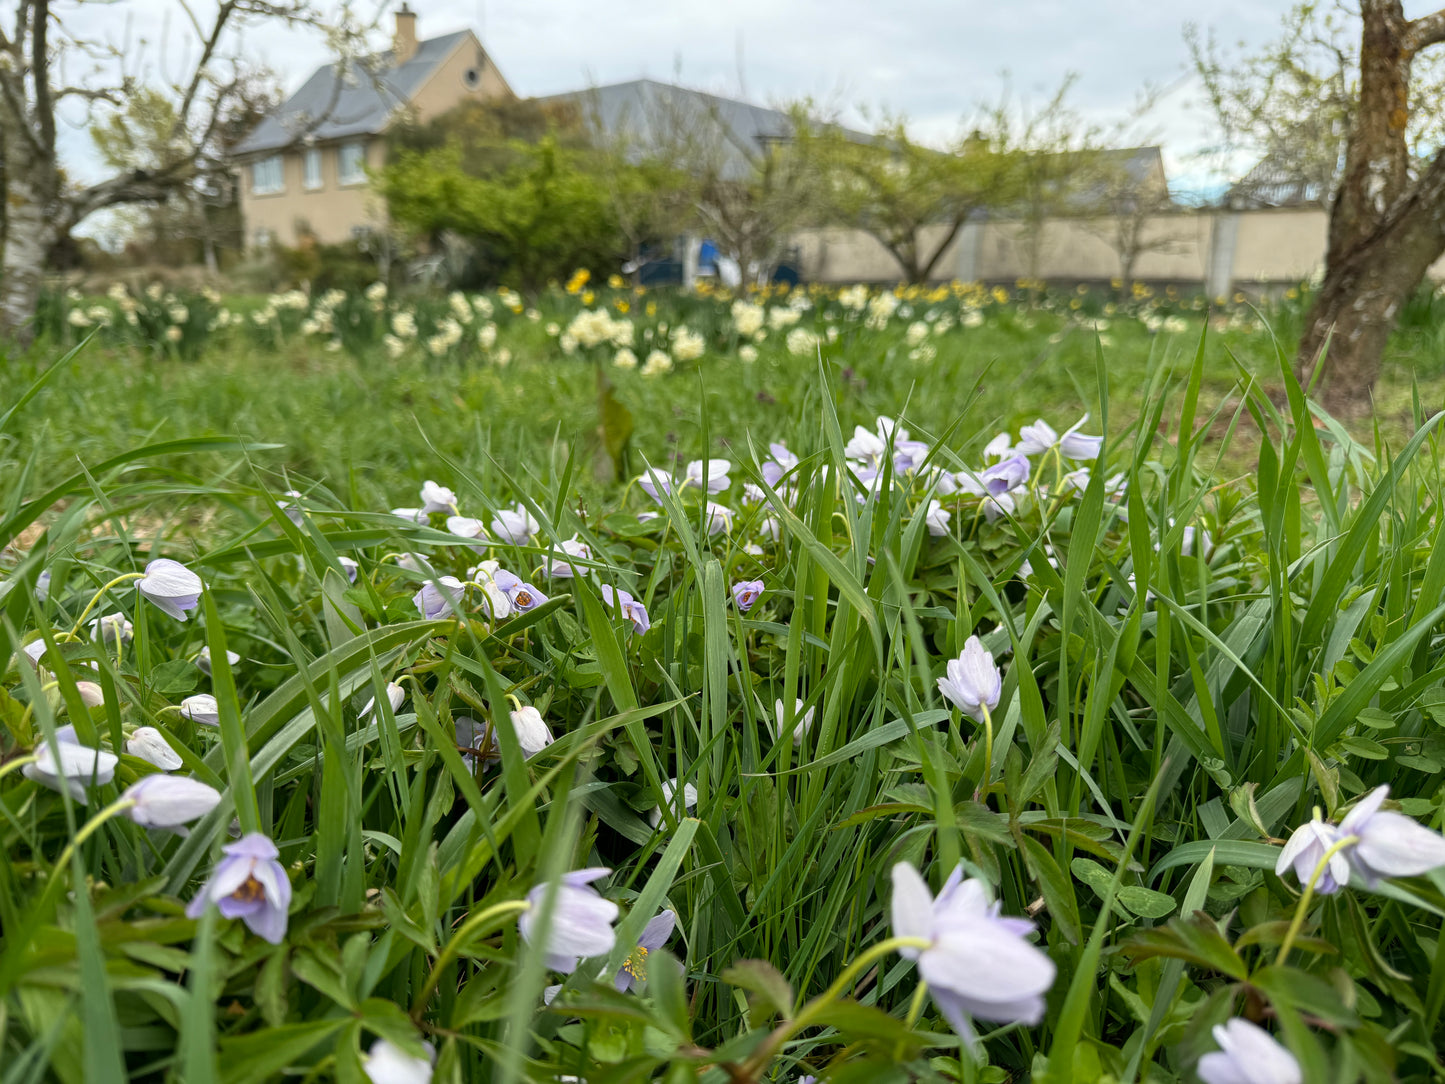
(371, 713)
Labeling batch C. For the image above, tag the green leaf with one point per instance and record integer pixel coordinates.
(772, 990)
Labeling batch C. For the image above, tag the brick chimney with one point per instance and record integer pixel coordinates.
(403, 43)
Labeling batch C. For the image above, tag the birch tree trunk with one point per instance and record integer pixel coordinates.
(30, 231)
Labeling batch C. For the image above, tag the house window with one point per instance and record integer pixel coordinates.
(312, 171)
(266, 176)
(351, 159)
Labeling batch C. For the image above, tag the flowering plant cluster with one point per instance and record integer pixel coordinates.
(839, 752)
(626, 327)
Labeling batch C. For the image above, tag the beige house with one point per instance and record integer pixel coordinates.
(303, 171)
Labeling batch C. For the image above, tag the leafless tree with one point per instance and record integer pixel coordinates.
(41, 49)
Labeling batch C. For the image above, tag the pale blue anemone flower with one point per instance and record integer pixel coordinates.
(440, 597)
(522, 596)
(1307, 847)
(201, 708)
(747, 593)
(654, 482)
(395, 696)
(909, 455)
(203, 660)
(251, 885)
(171, 587)
(1247, 1054)
(1036, 438)
(110, 627)
(437, 498)
(1006, 476)
(531, 730)
(936, 518)
(977, 964)
(580, 923)
(783, 461)
(654, 936)
(66, 763)
(1390, 844)
(634, 611)
(169, 801)
(865, 447)
(708, 474)
(572, 547)
(515, 525)
(387, 1063)
(971, 682)
(1076, 445)
(149, 744)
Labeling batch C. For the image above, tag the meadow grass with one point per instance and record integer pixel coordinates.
(1190, 663)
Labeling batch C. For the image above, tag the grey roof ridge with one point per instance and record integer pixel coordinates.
(379, 67)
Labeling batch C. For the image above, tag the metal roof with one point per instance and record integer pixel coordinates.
(368, 97)
(653, 113)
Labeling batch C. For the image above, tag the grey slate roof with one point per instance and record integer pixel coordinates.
(1274, 181)
(365, 104)
(650, 112)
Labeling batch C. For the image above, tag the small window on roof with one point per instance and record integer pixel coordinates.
(472, 77)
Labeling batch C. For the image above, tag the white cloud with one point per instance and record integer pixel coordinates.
(932, 60)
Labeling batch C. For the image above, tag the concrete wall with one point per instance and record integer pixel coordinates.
(1216, 250)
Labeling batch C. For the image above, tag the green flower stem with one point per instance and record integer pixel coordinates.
(1305, 897)
(101, 594)
(18, 762)
(452, 947)
(809, 1015)
(915, 1007)
(987, 746)
(88, 829)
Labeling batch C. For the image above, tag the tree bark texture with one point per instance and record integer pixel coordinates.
(30, 231)
(1385, 229)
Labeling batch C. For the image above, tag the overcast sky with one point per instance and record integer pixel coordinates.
(932, 60)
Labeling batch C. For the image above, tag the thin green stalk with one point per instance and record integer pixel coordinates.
(1307, 895)
(99, 595)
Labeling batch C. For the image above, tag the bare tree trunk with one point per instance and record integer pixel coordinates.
(1384, 232)
(1359, 303)
(30, 231)
(1126, 274)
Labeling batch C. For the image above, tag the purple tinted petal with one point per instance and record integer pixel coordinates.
(656, 932)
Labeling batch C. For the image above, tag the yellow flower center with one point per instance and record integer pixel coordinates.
(636, 963)
(250, 891)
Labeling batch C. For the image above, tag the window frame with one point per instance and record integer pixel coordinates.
(308, 156)
(342, 176)
(259, 189)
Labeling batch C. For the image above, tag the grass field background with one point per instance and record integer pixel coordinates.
(1229, 619)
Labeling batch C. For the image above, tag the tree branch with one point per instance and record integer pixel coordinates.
(1425, 31)
(40, 69)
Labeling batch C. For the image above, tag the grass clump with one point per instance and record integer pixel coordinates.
(510, 788)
